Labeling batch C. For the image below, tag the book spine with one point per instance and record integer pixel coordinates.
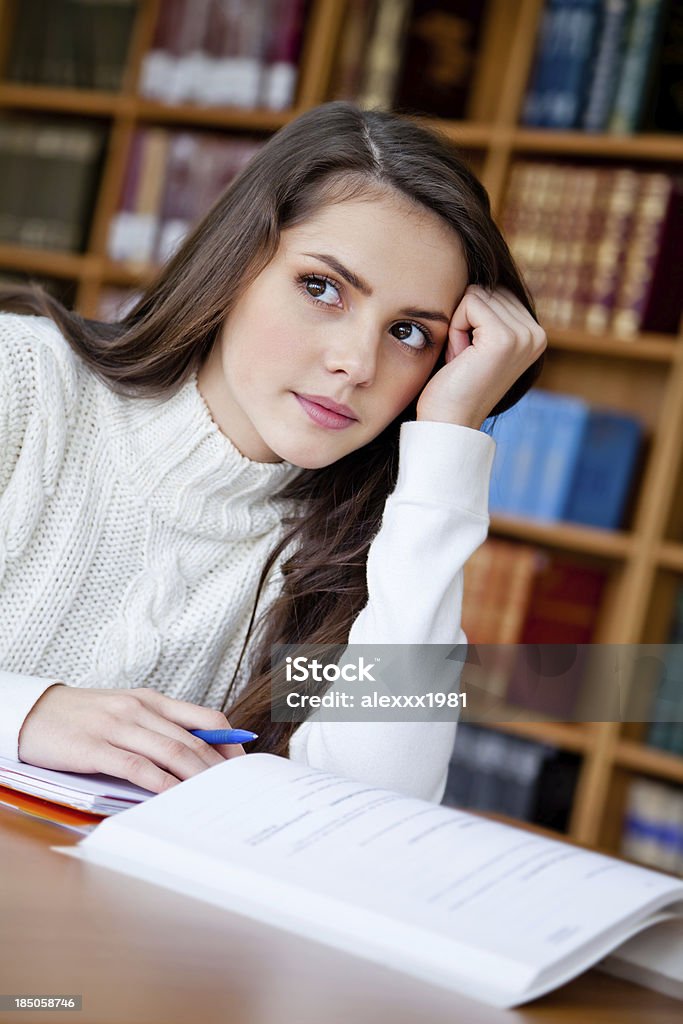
(564, 603)
(604, 470)
(562, 421)
(659, 202)
(148, 200)
(282, 52)
(640, 50)
(348, 69)
(120, 246)
(570, 58)
(619, 206)
(158, 65)
(533, 112)
(384, 54)
(610, 47)
(663, 111)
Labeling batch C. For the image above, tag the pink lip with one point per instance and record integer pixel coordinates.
(325, 412)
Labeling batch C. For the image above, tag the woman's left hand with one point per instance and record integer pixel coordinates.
(506, 340)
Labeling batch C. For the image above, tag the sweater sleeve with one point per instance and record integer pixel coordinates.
(18, 695)
(436, 517)
(37, 393)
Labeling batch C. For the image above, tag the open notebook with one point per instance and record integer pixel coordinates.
(495, 912)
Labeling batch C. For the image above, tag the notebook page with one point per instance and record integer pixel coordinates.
(521, 897)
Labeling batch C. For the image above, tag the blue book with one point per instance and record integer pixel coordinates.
(507, 433)
(610, 48)
(532, 111)
(641, 51)
(514, 465)
(571, 56)
(562, 424)
(604, 470)
(560, 73)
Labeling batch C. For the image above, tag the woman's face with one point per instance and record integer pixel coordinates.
(352, 311)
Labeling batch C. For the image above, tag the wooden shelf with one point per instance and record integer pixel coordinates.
(581, 144)
(670, 555)
(640, 758)
(52, 263)
(655, 348)
(570, 537)
(566, 736)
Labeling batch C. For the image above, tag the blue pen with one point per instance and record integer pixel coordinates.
(224, 735)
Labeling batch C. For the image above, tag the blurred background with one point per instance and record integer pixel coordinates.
(121, 121)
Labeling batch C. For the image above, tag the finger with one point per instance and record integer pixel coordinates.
(149, 719)
(475, 311)
(505, 302)
(176, 756)
(182, 712)
(229, 750)
(123, 764)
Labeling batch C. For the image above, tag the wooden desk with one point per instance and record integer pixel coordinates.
(142, 955)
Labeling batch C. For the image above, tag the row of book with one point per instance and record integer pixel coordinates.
(78, 44)
(561, 458)
(607, 66)
(517, 593)
(653, 825)
(242, 53)
(491, 771)
(601, 247)
(666, 729)
(171, 181)
(50, 171)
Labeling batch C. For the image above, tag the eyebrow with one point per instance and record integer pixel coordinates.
(364, 288)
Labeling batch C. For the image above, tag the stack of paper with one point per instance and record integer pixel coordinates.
(95, 794)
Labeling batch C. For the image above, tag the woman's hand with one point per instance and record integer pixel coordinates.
(139, 735)
(506, 340)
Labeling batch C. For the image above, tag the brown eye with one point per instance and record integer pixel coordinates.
(315, 288)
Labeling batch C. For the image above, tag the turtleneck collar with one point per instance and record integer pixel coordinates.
(175, 457)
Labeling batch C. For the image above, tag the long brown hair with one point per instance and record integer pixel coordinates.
(333, 152)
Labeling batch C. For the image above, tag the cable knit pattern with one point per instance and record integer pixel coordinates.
(140, 568)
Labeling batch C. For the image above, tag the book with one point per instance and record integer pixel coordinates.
(383, 55)
(603, 472)
(562, 64)
(49, 170)
(71, 43)
(475, 906)
(564, 603)
(436, 73)
(497, 585)
(637, 67)
(650, 294)
(609, 54)
(663, 109)
(92, 794)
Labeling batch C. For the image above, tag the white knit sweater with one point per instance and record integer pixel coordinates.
(133, 533)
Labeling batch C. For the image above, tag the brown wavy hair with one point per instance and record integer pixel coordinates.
(333, 152)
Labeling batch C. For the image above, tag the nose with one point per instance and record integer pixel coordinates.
(353, 352)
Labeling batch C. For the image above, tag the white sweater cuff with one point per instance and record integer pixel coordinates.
(446, 464)
(18, 694)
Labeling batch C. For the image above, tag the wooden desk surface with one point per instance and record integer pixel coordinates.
(142, 955)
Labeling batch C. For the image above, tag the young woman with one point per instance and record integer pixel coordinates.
(280, 444)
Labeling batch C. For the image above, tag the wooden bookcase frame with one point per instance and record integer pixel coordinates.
(646, 562)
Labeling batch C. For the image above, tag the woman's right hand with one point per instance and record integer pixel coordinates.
(139, 735)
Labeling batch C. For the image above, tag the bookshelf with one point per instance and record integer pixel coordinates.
(644, 375)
